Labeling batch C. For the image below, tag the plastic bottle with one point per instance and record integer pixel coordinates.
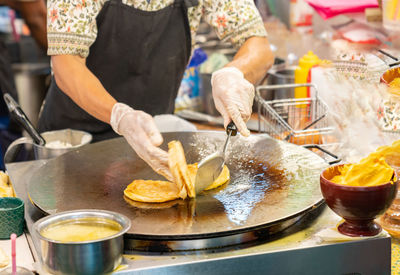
(188, 94)
(301, 73)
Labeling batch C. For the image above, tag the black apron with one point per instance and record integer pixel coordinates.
(138, 56)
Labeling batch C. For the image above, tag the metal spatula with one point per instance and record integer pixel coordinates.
(211, 166)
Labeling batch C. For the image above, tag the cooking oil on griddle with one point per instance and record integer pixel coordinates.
(250, 185)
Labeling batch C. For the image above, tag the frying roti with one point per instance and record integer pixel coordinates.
(222, 178)
(152, 191)
(184, 176)
(179, 170)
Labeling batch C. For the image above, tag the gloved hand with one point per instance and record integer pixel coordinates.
(142, 134)
(233, 97)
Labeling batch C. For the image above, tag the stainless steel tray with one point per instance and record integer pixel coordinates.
(273, 183)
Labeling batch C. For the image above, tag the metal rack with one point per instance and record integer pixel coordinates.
(302, 121)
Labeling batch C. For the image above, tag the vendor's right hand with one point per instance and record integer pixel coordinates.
(141, 132)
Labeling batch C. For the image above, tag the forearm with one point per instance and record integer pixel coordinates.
(82, 86)
(34, 14)
(254, 59)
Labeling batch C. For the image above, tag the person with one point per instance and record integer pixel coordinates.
(117, 63)
(34, 14)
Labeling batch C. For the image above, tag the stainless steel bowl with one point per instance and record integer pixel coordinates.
(75, 138)
(86, 257)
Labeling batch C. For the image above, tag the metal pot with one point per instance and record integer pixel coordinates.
(278, 75)
(208, 105)
(86, 257)
(210, 47)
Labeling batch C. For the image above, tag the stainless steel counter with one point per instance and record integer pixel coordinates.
(297, 250)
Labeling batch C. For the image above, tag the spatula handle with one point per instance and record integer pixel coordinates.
(231, 128)
(22, 119)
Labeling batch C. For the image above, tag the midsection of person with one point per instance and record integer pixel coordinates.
(118, 63)
(138, 57)
(74, 22)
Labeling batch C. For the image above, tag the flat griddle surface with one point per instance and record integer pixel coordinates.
(271, 181)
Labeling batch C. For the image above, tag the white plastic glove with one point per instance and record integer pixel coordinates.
(233, 97)
(142, 134)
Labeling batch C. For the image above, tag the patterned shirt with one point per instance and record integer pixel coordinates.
(72, 29)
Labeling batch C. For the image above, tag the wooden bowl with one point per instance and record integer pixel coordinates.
(357, 205)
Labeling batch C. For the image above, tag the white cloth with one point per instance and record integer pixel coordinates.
(330, 235)
(173, 123)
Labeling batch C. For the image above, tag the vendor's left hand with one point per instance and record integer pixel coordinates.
(233, 97)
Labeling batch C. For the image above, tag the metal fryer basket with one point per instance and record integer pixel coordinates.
(302, 121)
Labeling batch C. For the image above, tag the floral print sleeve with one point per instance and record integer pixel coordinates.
(72, 29)
(71, 26)
(234, 20)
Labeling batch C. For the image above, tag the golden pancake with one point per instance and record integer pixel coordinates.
(222, 178)
(153, 205)
(177, 213)
(192, 168)
(152, 191)
(179, 170)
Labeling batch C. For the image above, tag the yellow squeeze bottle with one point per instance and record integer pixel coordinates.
(301, 73)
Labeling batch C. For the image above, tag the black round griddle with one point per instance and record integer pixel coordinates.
(273, 184)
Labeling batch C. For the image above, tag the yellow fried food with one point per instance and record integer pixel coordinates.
(372, 170)
(222, 178)
(162, 191)
(4, 259)
(395, 83)
(6, 189)
(184, 179)
(152, 191)
(154, 205)
(179, 170)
